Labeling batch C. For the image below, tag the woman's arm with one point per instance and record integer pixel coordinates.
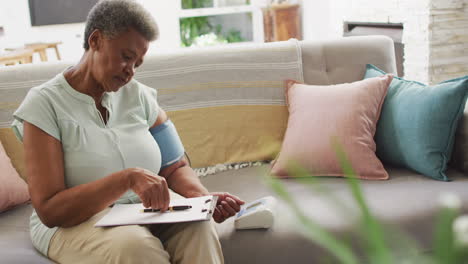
(58, 206)
(182, 179)
(180, 176)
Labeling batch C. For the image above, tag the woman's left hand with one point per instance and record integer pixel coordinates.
(227, 205)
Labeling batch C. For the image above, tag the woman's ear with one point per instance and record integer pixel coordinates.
(95, 39)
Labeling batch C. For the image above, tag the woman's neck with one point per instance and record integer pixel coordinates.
(81, 79)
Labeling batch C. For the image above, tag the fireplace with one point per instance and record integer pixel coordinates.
(392, 30)
(433, 32)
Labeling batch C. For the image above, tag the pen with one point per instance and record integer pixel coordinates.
(171, 208)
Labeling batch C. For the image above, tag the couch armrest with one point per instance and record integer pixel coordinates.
(460, 149)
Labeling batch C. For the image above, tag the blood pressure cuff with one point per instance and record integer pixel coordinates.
(169, 143)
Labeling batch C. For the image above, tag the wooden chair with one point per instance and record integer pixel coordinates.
(41, 48)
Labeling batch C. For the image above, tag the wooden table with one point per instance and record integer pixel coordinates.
(17, 56)
(41, 47)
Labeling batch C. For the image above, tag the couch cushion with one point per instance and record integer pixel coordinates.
(406, 200)
(418, 123)
(13, 190)
(14, 150)
(332, 62)
(460, 149)
(321, 116)
(15, 242)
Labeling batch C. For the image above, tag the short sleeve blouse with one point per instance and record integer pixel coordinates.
(92, 148)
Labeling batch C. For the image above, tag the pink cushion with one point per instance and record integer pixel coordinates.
(13, 190)
(345, 113)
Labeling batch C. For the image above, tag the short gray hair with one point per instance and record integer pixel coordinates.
(113, 17)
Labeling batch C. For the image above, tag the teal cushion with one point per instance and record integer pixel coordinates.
(417, 125)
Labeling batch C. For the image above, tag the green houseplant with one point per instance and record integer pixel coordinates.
(382, 244)
(192, 28)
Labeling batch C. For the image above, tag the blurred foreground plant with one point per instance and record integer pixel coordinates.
(382, 244)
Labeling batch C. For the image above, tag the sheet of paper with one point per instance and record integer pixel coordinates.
(130, 214)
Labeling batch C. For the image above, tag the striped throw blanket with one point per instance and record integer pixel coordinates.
(228, 102)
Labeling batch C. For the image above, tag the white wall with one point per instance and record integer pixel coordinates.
(14, 17)
(317, 20)
(165, 13)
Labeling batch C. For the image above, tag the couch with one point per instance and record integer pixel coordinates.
(407, 200)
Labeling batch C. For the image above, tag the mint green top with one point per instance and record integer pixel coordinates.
(92, 149)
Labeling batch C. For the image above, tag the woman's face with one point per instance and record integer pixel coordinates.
(116, 59)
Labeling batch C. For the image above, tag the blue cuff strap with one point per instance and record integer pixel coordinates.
(169, 143)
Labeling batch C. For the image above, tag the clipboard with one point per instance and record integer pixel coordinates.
(130, 214)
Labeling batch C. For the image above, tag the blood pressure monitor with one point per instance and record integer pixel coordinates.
(257, 214)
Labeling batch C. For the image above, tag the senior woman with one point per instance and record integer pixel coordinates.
(87, 146)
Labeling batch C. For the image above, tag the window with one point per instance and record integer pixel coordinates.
(211, 22)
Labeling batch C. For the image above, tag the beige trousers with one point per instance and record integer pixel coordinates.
(192, 242)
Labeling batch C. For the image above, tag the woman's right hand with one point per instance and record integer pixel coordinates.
(151, 188)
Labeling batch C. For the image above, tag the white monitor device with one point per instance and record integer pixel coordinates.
(257, 214)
